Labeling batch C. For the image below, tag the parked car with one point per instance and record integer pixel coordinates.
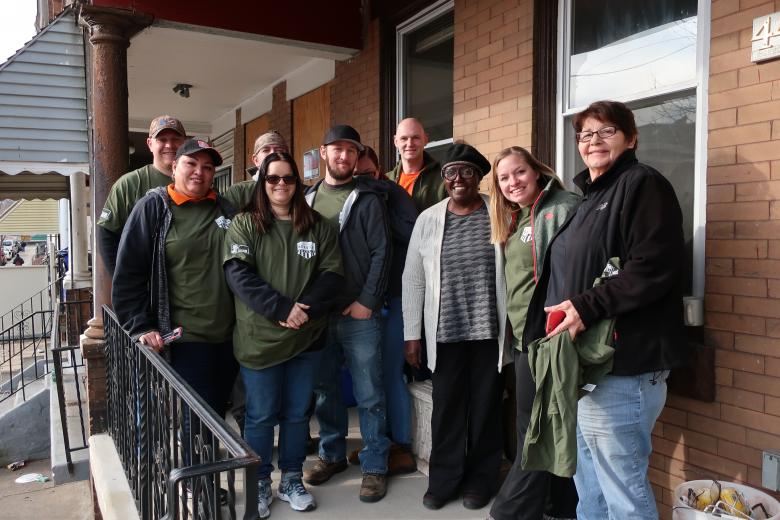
(9, 247)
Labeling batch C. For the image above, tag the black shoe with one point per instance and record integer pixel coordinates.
(475, 500)
(433, 502)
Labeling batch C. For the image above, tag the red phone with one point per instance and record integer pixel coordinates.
(553, 320)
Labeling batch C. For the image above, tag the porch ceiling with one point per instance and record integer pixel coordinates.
(223, 69)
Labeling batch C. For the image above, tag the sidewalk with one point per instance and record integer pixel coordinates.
(38, 501)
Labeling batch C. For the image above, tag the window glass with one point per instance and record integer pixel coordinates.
(427, 76)
(630, 48)
(667, 134)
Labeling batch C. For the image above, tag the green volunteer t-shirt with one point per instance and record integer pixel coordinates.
(240, 194)
(519, 271)
(200, 299)
(289, 262)
(126, 192)
(330, 199)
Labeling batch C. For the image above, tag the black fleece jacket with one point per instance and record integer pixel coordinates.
(630, 212)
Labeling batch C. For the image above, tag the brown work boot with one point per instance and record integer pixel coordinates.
(373, 488)
(400, 460)
(354, 457)
(322, 470)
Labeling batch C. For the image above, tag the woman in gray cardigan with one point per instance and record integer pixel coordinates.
(453, 284)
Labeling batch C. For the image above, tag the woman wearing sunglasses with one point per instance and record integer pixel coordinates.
(283, 263)
(453, 288)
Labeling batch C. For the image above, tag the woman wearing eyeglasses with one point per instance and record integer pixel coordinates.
(629, 211)
(283, 263)
(529, 204)
(454, 289)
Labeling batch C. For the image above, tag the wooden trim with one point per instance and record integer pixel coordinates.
(544, 80)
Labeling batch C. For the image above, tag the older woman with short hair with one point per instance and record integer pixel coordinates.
(629, 211)
(453, 283)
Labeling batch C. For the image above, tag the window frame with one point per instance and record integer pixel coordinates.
(420, 19)
(699, 84)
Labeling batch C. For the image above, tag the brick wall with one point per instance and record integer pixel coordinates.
(281, 112)
(724, 439)
(354, 91)
(492, 73)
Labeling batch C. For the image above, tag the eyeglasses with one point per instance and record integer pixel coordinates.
(465, 172)
(276, 179)
(604, 133)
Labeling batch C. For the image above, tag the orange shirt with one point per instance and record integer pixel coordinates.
(180, 199)
(407, 181)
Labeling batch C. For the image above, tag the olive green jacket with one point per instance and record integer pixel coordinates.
(560, 368)
(428, 188)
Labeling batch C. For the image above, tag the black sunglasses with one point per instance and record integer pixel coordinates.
(287, 179)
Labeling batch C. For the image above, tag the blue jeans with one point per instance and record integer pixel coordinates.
(614, 423)
(399, 414)
(280, 395)
(358, 343)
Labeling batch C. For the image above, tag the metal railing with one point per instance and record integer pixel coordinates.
(71, 318)
(43, 300)
(173, 446)
(25, 357)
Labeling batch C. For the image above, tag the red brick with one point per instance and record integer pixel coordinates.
(772, 405)
(764, 384)
(736, 323)
(718, 303)
(738, 397)
(722, 44)
(720, 230)
(735, 286)
(737, 173)
(672, 416)
(740, 19)
(753, 133)
(748, 76)
(763, 440)
(757, 268)
(720, 193)
(727, 80)
(740, 96)
(773, 287)
(752, 419)
(757, 229)
(701, 441)
(739, 361)
(716, 427)
(717, 464)
(724, 376)
(722, 118)
(692, 405)
(730, 60)
(719, 339)
(752, 113)
(737, 248)
(722, 156)
(766, 190)
(721, 8)
(755, 152)
(739, 453)
(767, 307)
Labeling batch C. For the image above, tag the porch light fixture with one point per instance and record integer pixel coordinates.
(182, 89)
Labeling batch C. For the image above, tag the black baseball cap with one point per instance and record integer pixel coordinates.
(193, 146)
(343, 133)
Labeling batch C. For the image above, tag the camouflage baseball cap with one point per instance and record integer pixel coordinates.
(161, 123)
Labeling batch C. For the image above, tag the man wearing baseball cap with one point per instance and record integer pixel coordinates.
(354, 329)
(270, 142)
(166, 135)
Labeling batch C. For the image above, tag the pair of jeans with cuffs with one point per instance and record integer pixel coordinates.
(280, 394)
(614, 424)
(358, 342)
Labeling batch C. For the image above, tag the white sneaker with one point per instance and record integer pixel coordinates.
(293, 492)
(264, 498)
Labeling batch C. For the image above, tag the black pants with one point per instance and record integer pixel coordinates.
(527, 495)
(466, 419)
(209, 368)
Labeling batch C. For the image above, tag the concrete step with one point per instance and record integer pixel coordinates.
(24, 429)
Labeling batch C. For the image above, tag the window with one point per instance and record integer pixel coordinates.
(223, 178)
(424, 71)
(651, 56)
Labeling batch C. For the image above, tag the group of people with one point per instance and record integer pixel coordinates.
(282, 284)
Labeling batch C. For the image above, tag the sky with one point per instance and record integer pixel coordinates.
(17, 25)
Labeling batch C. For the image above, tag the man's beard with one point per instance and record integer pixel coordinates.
(337, 174)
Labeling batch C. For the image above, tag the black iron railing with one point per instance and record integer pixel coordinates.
(71, 318)
(174, 448)
(43, 300)
(25, 354)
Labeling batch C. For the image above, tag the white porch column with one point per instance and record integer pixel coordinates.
(78, 271)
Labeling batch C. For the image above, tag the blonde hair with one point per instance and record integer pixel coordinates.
(501, 209)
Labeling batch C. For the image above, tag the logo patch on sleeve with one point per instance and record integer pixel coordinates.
(105, 214)
(239, 249)
(223, 222)
(307, 249)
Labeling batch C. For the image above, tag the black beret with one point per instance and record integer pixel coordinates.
(465, 153)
